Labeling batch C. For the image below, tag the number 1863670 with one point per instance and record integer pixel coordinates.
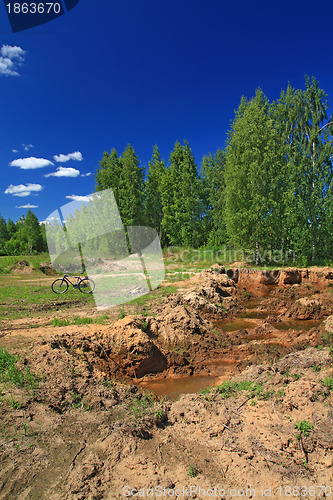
(33, 8)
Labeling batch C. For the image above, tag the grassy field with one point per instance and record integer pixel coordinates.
(27, 292)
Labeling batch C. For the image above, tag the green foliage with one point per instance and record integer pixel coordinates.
(230, 389)
(10, 373)
(193, 470)
(180, 195)
(304, 427)
(328, 382)
(24, 237)
(153, 192)
(124, 175)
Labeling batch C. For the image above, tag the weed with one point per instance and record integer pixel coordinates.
(159, 415)
(193, 470)
(304, 427)
(121, 314)
(144, 326)
(10, 373)
(60, 322)
(327, 338)
(16, 405)
(328, 382)
(280, 393)
(315, 368)
(228, 389)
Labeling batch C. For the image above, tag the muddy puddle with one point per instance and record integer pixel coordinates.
(253, 314)
(173, 387)
(249, 320)
(303, 325)
(232, 325)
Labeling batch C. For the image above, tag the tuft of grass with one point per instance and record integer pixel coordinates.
(193, 470)
(79, 320)
(304, 427)
(328, 382)
(121, 314)
(60, 322)
(10, 373)
(327, 338)
(230, 389)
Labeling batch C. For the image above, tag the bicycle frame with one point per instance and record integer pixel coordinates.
(67, 276)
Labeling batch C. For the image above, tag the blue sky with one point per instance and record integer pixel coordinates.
(109, 73)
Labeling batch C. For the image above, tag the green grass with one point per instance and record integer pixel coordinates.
(193, 470)
(304, 427)
(79, 320)
(22, 297)
(8, 262)
(328, 382)
(11, 374)
(230, 389)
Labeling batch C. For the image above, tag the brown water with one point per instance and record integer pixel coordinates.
(248, 320)
(173, 387)
(231, 325)
(305, 324)
(253, 314)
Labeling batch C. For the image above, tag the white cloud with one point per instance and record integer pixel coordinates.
(71, 156)
(26, 147)
(14, 151)
(23, 189)
(86, 175)
(31, 163)
(64, 172)
(74, 197)
(10, 59)
(28, 206)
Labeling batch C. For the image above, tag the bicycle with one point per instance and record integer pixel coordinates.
(85, 285)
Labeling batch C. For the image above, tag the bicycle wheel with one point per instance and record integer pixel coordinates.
(60, 286)
(86, 285)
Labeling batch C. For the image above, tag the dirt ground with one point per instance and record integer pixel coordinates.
(91, 431)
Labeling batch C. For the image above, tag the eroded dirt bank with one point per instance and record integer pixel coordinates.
(85, 433)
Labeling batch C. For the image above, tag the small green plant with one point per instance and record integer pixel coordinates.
(315, 368)
(159, 415)
(328, 382)
(304, 427)
(229, 389)
(193, 470)
(77, 320)
(121, 314)
(280, 393)
(144, 326)
(60, 322)
(327, 338)
(10, 373)
(16, 405)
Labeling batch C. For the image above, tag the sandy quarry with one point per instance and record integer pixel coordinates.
(89, 432)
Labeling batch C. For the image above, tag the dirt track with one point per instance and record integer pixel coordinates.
(85, 433)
